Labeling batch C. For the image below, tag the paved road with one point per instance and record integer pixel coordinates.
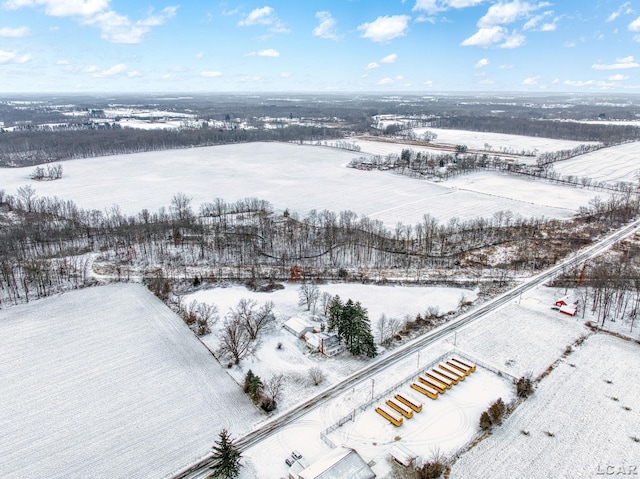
(201, 469)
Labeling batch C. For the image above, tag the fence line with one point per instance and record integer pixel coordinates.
(351, 416)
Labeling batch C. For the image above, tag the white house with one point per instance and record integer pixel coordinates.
(341, 463)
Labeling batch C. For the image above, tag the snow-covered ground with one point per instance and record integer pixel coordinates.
(500, 142)
(292, 358)
(108, 382)
(589, 404)
(297, 177)
(518, 188)
(526, 336)
(616, 163)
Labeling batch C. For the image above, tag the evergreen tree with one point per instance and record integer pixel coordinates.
(253, 386)
(361, 338)
(226, 457)
(335, 312)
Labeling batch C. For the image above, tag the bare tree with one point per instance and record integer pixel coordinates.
(325, 300)
(251, 319)
(235, 340)
(387, 328)
(308, 294)
(180, 207)
(316, 375)
(26, 196)
(272, 391)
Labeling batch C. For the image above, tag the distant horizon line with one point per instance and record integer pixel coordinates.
(185, 94)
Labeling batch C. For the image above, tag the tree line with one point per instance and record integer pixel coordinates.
(30, 148)
(48, 243)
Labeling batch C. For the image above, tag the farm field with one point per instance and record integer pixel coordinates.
(297, 177)
(525, 336)
(499, 142)
(613, 164)
(589, 405)
(108, 382)
(518, 188)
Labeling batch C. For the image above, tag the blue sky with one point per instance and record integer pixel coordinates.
(319, 45)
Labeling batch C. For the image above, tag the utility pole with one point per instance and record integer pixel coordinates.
(373, 382)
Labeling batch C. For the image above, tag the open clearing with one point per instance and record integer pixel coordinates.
(293, 359)
(617, 163)
(589, 404)
(297, 177)
(108, 382)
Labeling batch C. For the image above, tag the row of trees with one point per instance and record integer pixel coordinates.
(51, 172)
(247, 239)
(27, 148)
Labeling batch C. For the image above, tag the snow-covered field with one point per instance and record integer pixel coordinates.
(500, 142)
(526, 336)
(518, 188)
(616, 163)
(297, 177)
(108, 382)
(589, 404)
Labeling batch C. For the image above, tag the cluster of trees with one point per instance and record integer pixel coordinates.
(351, 322)
(266, 394)
(51, 172)
(199, 316)
(246, 239)
(493, 416)
(608, 287)
(242, 327)
(562, 130)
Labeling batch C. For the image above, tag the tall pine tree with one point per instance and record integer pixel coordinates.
(226, 457)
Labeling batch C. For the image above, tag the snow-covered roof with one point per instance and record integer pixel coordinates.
(568, 310)
(340, 463)
(297, 325)
(402, 454)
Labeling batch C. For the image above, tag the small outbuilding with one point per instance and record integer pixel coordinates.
(298, 327)
(568, 310)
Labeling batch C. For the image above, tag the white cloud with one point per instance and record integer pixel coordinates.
(259, 16)
(19, 32)
(115, 28)
(483, 62)
(211, 74)
(428, 83)
(114, 70)
(390, 58)
(486, 81)
(505, 67)
(372, 65)
(434, 6)
(250, 79)
(385, 81)
(429, 6)
(285, 74)
(620, 64)
(618, 77)
(384, 29)
(264, 16)
(62, 8)
(635, 25)
(399, 77)
(530, 80)
(513, 41)
(326, 28)
(200, 55)
(13, 57)
(624, 9)
(270, 52)
(134, 74)
(505, 13)
(485, 37)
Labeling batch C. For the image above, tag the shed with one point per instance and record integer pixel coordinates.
(568, 310)
(298, 327)
(340, 463)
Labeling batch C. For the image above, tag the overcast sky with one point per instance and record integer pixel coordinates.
(319, 45)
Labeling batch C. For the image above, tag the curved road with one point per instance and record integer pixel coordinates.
(201, 468)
